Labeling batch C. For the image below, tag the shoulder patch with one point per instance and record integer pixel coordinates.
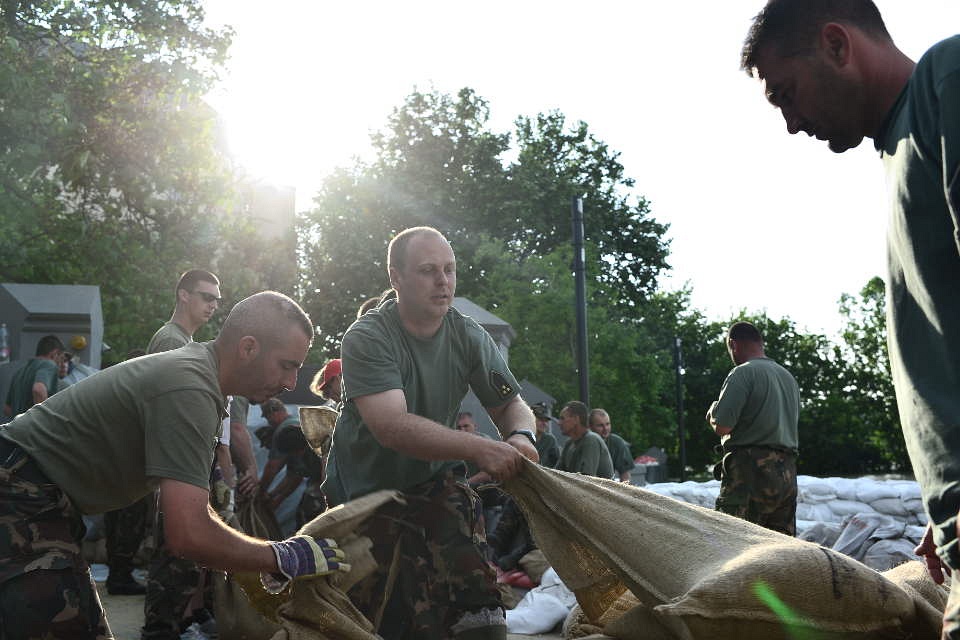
(499, 382)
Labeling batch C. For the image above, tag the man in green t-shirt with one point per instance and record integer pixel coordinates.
(756, 418)
(37, 379)
(110, 439)
(584, 452)
(407, 365)
(619, 450)
(845, 80)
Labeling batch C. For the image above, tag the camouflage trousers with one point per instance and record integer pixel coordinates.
(125, 529)
(46, 590)
(432, 548)
(171, 581)
(759, 484)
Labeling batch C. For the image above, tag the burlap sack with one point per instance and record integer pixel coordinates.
(700, 573)
(316, 607)
(534, 564)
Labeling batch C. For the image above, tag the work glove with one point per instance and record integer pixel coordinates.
(303, 556)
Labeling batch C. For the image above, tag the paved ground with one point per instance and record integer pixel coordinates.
(126, 617)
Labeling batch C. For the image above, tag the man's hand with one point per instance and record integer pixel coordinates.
(248, 483)
(304, 556)
(928, 551)
(503, 460)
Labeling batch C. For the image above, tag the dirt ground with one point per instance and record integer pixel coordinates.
(125, 614)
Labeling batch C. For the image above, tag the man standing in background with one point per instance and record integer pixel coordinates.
(584, 451)
(36, 380)
(756, 418)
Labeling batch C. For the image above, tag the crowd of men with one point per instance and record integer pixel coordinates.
(158, 424)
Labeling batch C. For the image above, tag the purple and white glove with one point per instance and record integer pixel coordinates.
(303, 556)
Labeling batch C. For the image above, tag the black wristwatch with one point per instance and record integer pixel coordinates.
(526, 433)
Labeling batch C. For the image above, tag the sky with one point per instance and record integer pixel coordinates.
(759, 220)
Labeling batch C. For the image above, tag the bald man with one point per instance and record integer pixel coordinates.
(110, 439)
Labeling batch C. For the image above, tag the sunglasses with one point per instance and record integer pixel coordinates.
(207, 297)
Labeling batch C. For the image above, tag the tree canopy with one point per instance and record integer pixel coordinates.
(110, 170)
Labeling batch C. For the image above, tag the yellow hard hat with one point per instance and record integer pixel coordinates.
(78, 342)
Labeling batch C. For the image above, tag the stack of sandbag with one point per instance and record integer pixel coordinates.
(878, 522)
(695, 573)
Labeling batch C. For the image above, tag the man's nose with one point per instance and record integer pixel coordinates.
(291, 380)
(793, 121)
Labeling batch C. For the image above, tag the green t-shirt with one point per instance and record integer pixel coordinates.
(920, 146)
(548, 449)
(433, 373)
(239, 408)
(169, 336)
(588, 455)
(619, 453)
(20, 393)
(760, 401)
(107, 439)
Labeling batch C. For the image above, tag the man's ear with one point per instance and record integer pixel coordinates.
(835, 42)
(183, 296)
(393, 276)
(248, 348)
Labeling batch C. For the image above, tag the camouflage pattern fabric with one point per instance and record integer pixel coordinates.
(759, 485)
(171, 582)
(46, 590)
(440, 570)
(125, 529)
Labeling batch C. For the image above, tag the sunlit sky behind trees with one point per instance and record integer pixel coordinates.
(759, 220)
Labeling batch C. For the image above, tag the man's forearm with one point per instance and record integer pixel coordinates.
(241, 447)
(213, 544)
(512, 416)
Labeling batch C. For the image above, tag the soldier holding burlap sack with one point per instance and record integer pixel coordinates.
(756, 418)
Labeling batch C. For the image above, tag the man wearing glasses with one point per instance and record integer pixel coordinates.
(172, 581)
(197, 297)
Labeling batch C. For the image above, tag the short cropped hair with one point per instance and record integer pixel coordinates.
(596, 412)
(745, 331)
(578, 409)
(792, 26)
(189, 279)
(48, 344)
(397, 249)
(266, 316)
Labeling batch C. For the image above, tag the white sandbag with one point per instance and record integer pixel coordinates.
(537, 612)
(872, 490)
(858, 531)
(914, 533)
(846, 488)
(845, 508)
(891, 506)
(552, 584)
(913, 505)
(818, 512)
(822, 533)
(883, 555)
(910, 491)
(815, 490)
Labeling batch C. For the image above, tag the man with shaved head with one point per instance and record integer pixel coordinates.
(112, 438)
(407, 365)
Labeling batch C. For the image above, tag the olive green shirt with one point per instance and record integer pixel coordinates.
(169, 336)
(920, 146)
(619, 453)
(548, 449)
(108, 439)
(434, 374)
(588, 455)
(760, 401)
(20, 394)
